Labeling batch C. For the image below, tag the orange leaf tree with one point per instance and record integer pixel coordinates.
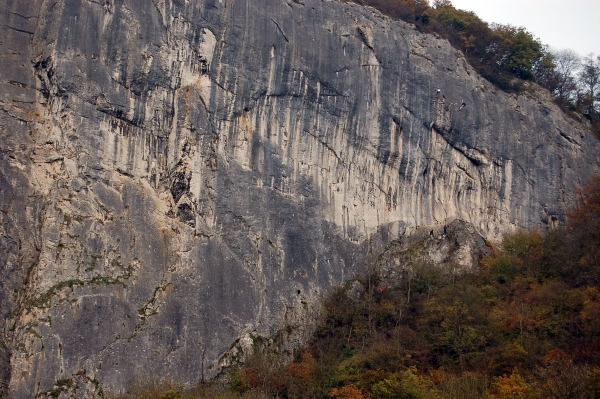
(584, 228)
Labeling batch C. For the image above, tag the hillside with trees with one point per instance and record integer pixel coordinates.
(506, 55)
(525, 324)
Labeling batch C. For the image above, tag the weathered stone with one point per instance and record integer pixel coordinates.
(444, 250)
(177, 175)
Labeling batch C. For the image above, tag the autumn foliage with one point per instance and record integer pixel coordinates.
(348, 392)
(526, 325)
(584, 227)
(503, 54)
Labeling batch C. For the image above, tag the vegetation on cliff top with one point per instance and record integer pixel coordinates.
(506, 55)
(526, 324)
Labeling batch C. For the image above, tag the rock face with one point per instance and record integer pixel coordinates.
(176, 175)
(446, 251)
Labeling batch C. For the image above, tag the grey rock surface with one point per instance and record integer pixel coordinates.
(177, 176)
(443, 251)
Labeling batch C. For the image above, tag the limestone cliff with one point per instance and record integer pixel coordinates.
(176, 174)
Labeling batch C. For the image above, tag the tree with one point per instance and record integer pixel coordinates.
(589, 80)
(512, 387)
(560, 79)
(560, 378)
(442, 3)
(584, 231)
(543, 69)
(350, 391)
(456, 321)
(519, 51)
(407, 384)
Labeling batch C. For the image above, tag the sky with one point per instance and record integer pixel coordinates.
(561, 24)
